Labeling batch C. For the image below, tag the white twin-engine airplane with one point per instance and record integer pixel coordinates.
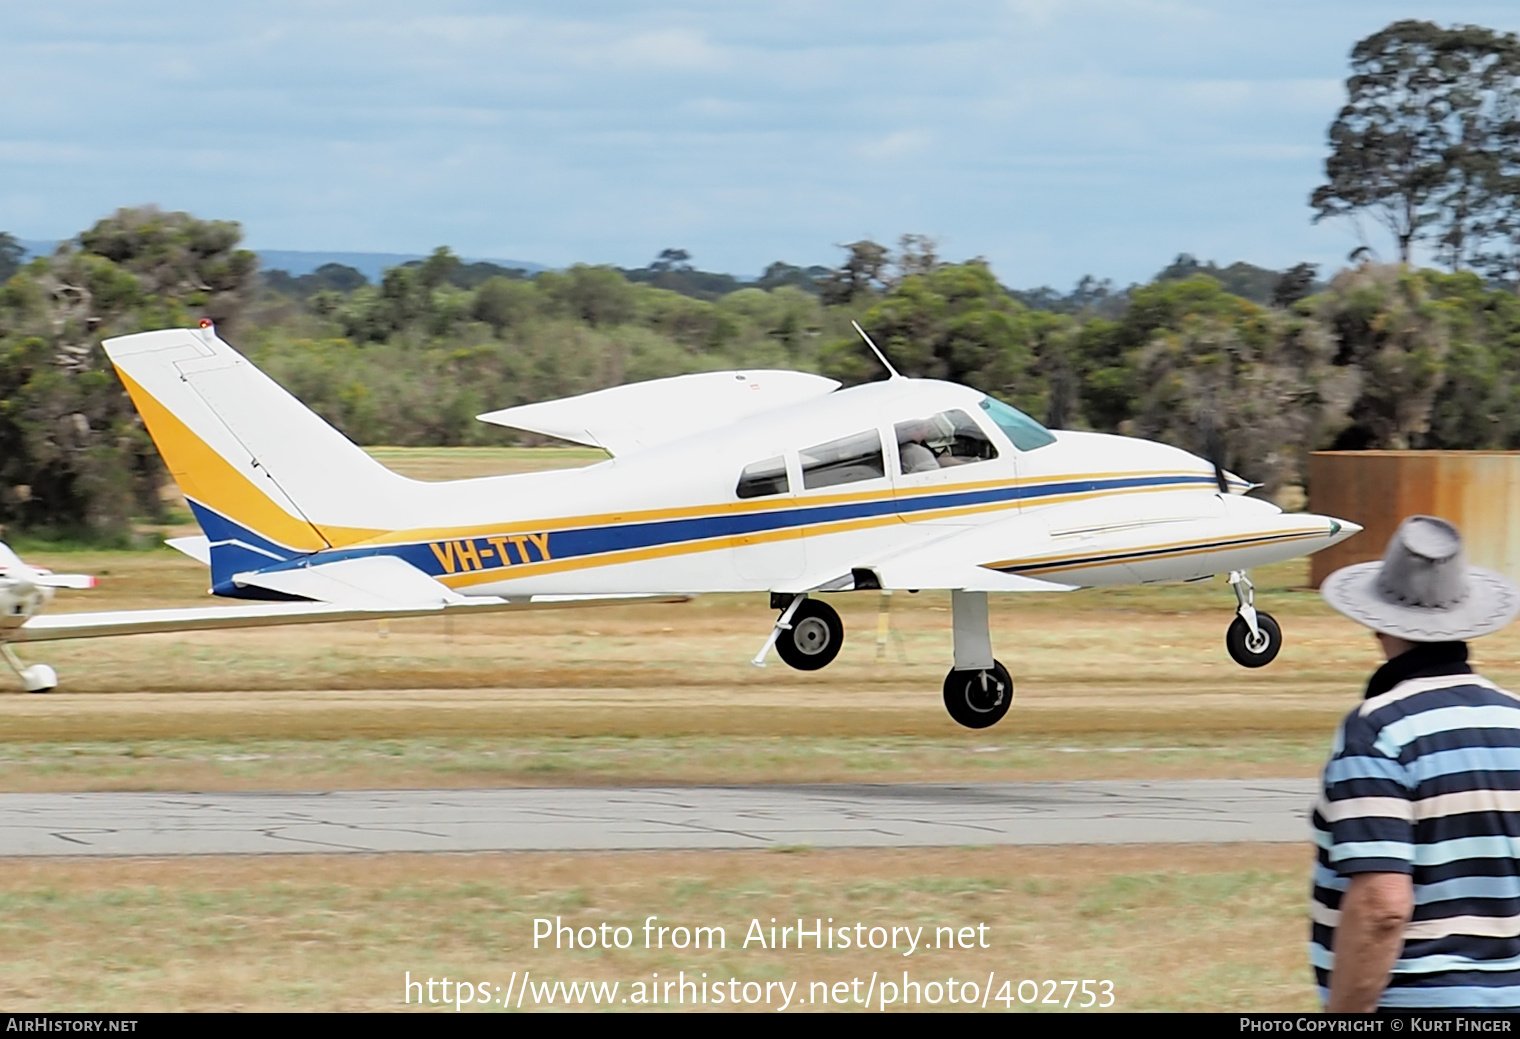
(758, 481)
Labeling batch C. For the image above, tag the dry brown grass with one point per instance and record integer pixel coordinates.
(1182, 928)
(477, 762)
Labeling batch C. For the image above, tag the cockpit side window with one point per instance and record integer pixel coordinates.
(1025, 432)
(762, 478)
(845, 460)
(940, 441)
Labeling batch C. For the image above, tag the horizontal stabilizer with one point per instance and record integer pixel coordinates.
(197, 548)
(367, 583)
(640, 415)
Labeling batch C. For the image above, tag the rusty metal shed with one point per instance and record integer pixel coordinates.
(1479, 491)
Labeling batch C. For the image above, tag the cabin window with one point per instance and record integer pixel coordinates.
(1025, 432)
(845, 460)
(940, 441)
(761, 478)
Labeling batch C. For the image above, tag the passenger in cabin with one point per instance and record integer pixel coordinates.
(911, 449)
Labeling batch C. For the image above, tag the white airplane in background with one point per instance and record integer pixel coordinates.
(756, 481)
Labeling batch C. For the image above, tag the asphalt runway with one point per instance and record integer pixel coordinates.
(843, 816)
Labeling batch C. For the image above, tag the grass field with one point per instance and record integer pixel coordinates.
(1124, 683)
(1183, 928)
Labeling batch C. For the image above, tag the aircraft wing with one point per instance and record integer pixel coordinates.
(948, 569)
(1022, 553)
(628, 418)
(949, 560)
(54, 627)
(952, 562)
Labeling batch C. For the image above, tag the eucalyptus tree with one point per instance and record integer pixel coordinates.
(1414, 148)
(73, 454)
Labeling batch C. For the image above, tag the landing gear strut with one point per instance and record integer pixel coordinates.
(978, 690)
(808, 635)
(38, 678)
(1254, 637)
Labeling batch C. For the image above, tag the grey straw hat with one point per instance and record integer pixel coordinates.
(1423, 590)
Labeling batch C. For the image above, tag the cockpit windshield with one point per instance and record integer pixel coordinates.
(1025, 432)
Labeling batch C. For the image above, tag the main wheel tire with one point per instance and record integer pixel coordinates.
(1257, 652)
(815, 637)
(976, 703)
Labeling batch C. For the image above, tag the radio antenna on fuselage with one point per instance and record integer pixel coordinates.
(892, 372)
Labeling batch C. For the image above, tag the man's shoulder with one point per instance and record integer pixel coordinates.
(1434, 692)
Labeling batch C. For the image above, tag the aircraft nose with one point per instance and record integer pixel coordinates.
(1342, 529)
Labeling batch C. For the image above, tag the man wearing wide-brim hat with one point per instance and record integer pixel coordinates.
(1417, 887)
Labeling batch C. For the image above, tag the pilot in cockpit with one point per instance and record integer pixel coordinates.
(917, 441)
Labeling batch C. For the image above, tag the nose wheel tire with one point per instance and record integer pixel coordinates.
(977, 699)
(1257, 651)
(815, 638)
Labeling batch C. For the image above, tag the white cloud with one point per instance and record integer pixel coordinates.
(680, 49)
(1110, 132)
(895, 145)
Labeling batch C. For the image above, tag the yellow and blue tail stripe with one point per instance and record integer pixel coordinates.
(236, 549)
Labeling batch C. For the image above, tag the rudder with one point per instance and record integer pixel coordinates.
(267, 478)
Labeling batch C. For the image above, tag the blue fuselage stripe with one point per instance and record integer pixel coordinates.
(598, 540)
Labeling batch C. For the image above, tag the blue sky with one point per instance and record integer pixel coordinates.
(1053, 138)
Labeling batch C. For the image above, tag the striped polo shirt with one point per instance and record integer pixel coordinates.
(1425, 780)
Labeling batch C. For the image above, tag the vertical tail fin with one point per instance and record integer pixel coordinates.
(267, 478)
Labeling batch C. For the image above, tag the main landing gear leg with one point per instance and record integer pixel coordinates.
(978, 689)
(38, 678)
(1254, 637)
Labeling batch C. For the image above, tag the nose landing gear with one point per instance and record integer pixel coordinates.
(1254, 637)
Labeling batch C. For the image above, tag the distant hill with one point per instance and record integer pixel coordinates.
(298, 262)
(371, 265)
(1246, 280)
